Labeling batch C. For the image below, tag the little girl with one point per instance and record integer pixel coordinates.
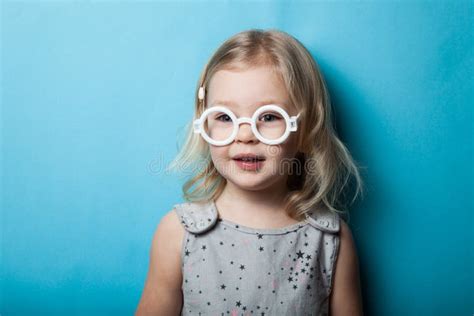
(260, 233)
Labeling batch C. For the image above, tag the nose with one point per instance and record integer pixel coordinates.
(245, 133)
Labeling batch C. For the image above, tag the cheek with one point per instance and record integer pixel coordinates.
(286, 150)
(221, 160)
(218, 151)
(290, 146)
(219, 155)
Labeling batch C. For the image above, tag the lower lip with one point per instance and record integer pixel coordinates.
(249, 165)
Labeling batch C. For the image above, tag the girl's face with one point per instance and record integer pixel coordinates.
(243, 92)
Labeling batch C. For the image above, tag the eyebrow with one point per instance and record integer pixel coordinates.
(233, 104)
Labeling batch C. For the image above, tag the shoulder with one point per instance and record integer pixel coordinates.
(348, 248)
(166, 244)
(347, 256)
(169, 233)
(345, 231)
(170, 221)
(346, 296)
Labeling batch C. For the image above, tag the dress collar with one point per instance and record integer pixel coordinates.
(201, 217)
(324, 220)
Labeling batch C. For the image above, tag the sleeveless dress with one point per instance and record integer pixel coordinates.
(230, 269)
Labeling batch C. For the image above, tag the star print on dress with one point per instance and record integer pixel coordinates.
(230, 269)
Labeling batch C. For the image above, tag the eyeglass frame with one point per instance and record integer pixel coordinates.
(291, 124)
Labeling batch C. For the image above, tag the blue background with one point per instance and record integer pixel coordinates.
(95, 96)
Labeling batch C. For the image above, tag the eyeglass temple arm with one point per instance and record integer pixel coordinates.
(294, 123)
(197, 126)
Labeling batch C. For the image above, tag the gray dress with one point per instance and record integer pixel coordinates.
(230, 269)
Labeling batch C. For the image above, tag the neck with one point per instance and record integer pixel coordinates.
(236, 202)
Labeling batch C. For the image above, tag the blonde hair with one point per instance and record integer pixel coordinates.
(332, 166)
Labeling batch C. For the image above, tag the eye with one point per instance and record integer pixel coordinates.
(269, 117)
(224, 118)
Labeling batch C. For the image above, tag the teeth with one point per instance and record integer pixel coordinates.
(249, 159)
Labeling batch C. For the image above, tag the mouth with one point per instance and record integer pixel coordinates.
(248, 158)
(249, 162)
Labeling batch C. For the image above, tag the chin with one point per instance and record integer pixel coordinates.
(248, 185)
(252, 181)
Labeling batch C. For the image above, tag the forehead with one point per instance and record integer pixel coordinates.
(249, 88)
(235, 106)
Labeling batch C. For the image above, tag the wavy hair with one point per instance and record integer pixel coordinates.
(324, 172)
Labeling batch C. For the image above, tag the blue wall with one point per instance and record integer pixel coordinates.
(94, 95)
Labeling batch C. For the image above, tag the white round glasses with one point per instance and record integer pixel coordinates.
(270, 123)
